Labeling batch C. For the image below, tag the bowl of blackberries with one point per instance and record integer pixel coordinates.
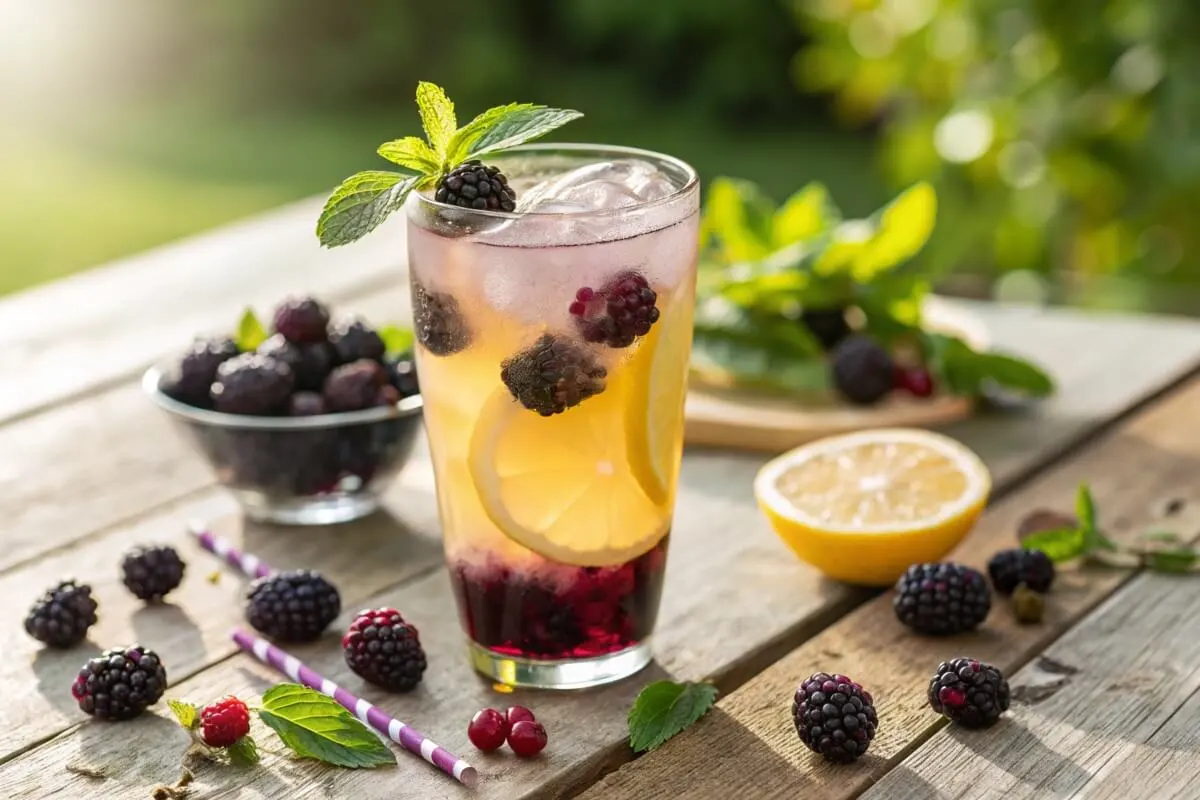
(306, 422)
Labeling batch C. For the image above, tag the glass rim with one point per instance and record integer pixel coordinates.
(691, 181)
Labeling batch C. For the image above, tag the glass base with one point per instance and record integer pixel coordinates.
(575, 673)
(328, 510)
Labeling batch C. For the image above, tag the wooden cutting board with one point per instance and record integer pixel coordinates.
(742, 420)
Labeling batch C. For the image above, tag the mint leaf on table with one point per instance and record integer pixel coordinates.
(1085, 512)
(360, 204)
(1059, 544)
(664, 709)
(250, 332)
(1182, 559)
(437, 116)
(315, 726)
(244, 752)
(967, 372)
(396, 339)
(187, 713)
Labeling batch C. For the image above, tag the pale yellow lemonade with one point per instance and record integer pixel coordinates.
(556, 511)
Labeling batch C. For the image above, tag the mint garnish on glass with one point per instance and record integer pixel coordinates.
(366, 199)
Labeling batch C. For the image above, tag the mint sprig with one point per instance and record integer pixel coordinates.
(315, 726)
(664, 709)
(364, 200)
(187, 713)
(250, 332)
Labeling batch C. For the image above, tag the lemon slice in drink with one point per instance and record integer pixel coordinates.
(561, 485)
(862, 507)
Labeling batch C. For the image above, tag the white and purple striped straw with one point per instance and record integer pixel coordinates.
(408, 738)
(249, 564)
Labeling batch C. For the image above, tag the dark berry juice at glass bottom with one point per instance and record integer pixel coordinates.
(564, 612)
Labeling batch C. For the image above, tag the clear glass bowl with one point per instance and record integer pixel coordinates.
(300, 470)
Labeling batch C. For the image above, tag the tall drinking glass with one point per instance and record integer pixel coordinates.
(552, 350)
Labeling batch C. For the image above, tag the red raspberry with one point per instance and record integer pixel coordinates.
(527, 739)
(224, 722)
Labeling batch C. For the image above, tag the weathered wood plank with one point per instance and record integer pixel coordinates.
(69, 337)
(748, 746)
(1085, 714)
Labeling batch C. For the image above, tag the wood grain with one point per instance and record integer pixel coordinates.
(748, 746)
(1086, 711)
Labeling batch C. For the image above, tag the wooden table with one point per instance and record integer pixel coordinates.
(1107, 686)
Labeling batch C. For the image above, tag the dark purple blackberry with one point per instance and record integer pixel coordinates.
(301, 319)
(152, 572)
(311, 363)
(622, 310)
(834, 716)
(355, 386)
(252, 384)
(473, 185)
(942, 599)
(969, 692)
(402, 373)
(552, 375)
(354, 340)
(438, 322)
(384, 650)
(120, 683)
(828, 325)
(190, 380)
(292, 606)
(306, 404)
(863, 372)
(62, 615)
(1010, 568)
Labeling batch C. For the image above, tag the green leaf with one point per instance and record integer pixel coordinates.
(315, 726)
(465, 137)
(250, 332)
(722, 355)
(412, 153)
(396, 339)
(437, 116)
(805, 215)
(1085, 512)
(1181, 559)
(967, 372)
(904, 227)
(187, 714)
(520, 126)
(1166, 537)
(244, 752)
(737, 222)
(360, 204)
(664, 709)
(1060, 544)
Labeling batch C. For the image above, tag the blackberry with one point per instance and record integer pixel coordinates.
(355, 386)
(552, 375)
(252, 384)
(152, 572)
(354, 340)
(190, 380)
(942, 599)
(402, 373)
(292, 606)
(306, 404)
(1009, 568)
(472, 185)
(120, 683)
(834, 716)
(62, 615)
(301, 319)
(862, 370)
(969, 692)
(827, 325)
(622, 310)
(384, 650)
(438, 322)
(311, 363)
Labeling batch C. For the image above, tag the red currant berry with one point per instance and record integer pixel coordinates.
(488, 729)
(527, 739)
(517, 714)
(917, 382)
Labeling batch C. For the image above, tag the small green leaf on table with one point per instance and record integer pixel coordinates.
(250, 332)
(315, 726)
(664, 709)
(187, 713)
(1085, 512)
(244, 752)
(1181, 559)
(1059, 544)
(396, 339)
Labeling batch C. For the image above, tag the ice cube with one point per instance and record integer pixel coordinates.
(597, 187)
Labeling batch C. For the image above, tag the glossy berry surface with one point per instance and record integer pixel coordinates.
(301, 319)
(527, 739)
(517, 714)
(619, 312)
(62, 615)
(384, 649)
(224, 722)
(917, 382)
(969, 692)
(488, 729)
(834, 716)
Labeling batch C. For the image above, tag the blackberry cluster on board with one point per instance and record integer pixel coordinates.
(383, 649)
(150, 572)
(120, 683)
(942, 599)
(834, 717)
(63, 614)
(292, 606)
(969, 692)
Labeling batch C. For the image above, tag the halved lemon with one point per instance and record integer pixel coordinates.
(862, 507)
(561, 486)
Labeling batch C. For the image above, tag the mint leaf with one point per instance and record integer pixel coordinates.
(437, 116)
(187, 714)
(315, 726)
(1085, 512)
(250, 332)
(1181, 559)
(664, 709)
(243, 752)
(803, 216)
(396, 340)
(1059, 544)
(1162, 537)
(738, 221)
(360, 204)
(520, 126)
(412, 153)
(967, 372)
(465, 137)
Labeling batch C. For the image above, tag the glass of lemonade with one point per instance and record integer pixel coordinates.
(553, 345)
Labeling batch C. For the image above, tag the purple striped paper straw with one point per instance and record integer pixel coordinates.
(249, 564)
(408, 738)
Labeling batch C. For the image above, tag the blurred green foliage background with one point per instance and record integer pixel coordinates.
(1063, 136)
